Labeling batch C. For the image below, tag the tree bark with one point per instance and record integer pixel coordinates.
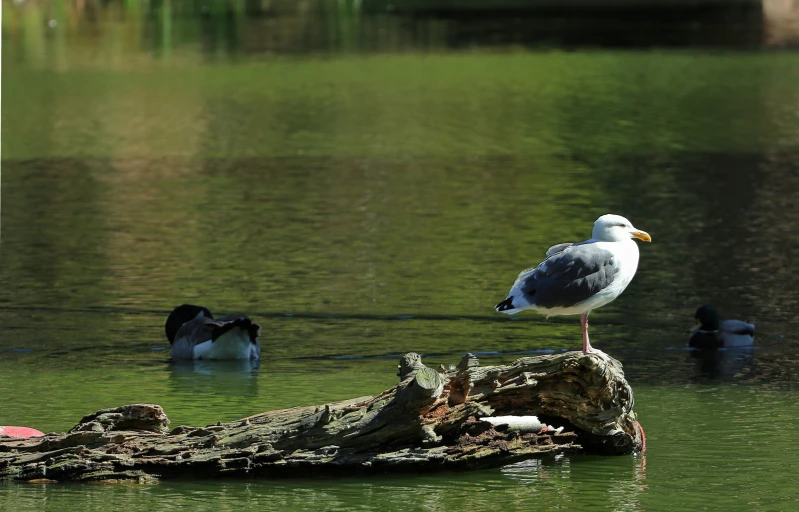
(432, 420)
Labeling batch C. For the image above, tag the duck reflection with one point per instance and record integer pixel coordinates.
(723, 362)
(210, 379)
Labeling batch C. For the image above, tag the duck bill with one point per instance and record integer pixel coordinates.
(642, 235)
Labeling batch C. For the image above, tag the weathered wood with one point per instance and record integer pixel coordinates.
(429, 421)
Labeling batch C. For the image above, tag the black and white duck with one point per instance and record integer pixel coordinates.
(195, 334)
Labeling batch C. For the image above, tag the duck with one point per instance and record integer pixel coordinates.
(714, 333)
(194, 334)
(576, 278)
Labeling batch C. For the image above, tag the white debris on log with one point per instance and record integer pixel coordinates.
(522, 423)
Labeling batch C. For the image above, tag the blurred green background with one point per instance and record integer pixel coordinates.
(367, 179)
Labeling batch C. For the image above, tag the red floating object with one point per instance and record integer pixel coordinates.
(20, 432)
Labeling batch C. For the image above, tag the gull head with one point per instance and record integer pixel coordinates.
(615, 228)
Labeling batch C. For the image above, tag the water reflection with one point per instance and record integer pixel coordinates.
(721, 363)
(615, 483)
(215, 378)
(241, 368)
(555, 482)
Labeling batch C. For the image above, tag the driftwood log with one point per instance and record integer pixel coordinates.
(432, 420)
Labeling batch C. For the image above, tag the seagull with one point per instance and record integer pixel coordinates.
(714, 333)
(194, 334)
(576, 278)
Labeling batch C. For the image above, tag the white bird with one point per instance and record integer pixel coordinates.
(715, 333)
(576, 278)
(194, 334)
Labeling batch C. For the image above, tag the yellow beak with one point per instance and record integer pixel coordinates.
(642, 235)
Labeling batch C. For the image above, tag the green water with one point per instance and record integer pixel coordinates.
(363, 194)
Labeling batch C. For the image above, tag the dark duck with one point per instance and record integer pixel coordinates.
(715, 333)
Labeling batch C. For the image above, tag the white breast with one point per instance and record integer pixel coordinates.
(234, 344)
(625, 257)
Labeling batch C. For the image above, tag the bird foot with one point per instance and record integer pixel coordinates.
(598, 353)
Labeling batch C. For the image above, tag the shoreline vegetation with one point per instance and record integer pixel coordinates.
(41, 32)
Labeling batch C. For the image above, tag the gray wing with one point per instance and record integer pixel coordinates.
(737, 327)
(555, 249)
(569, 276)
(558, 248)
(226, 323)
(189, 335)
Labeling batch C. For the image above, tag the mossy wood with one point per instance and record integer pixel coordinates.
(430, 421)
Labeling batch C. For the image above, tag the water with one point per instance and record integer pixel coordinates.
(366, 185)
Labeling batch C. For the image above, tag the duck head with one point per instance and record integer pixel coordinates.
(182, 314)
(708, 318)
